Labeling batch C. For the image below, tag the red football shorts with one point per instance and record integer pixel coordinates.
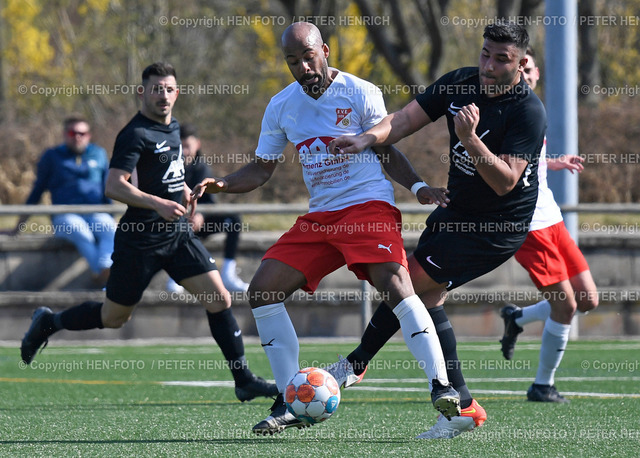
(321, 242)
(550, 255)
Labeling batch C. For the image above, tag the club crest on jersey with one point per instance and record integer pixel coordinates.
(343, 117)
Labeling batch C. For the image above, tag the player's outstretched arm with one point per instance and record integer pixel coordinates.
(390, 130)
(570, 162)
(209, 185)
(397, 165)
(248, 178)
(119, 188)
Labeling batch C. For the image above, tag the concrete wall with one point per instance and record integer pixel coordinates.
(38, 270)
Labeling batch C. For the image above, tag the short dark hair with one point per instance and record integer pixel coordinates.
(507, 32)
(158, 69)
(74, 119)
(188, 130)
(530, 51)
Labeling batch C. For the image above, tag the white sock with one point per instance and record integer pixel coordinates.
(425, 346)
(554, 341)
(279, 341)
(229, 266)
(535, 312)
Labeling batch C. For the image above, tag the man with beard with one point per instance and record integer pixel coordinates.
(147, 173)
(352, 219)
(496, 126)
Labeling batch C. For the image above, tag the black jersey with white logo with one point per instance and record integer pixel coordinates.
(513, 123)
(154, 151)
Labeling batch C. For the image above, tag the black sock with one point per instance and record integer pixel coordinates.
(79, 318)
(226, 332)
(448, 344)
(382, 326)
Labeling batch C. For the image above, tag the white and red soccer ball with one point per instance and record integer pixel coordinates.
(312, 395)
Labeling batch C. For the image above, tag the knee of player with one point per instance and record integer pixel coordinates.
(588, 303)
(115, 322)
(564, 309)
(215, 301)
(261, 296)
(257, 296)
(394, 283)
(223, 303)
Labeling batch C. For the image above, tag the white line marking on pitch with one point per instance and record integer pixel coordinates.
(504, 392)
(566, 393)
(506, 379)
(228, 384)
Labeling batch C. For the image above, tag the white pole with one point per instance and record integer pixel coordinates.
(561, 100)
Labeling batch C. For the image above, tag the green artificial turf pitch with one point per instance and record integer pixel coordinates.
(178, 400)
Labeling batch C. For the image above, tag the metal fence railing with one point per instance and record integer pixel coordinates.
(288, 208)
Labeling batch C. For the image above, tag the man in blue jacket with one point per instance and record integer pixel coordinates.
(75, 173)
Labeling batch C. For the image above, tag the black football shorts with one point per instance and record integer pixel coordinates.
(182, 256)
(455, 248)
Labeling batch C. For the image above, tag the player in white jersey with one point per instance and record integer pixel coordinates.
(352, 219)
(557, 267)
(348, 106)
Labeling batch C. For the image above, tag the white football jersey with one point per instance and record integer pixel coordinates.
(349, 106)
(547, 212)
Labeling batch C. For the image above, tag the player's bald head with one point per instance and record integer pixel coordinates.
(306, 55)
(301, 34)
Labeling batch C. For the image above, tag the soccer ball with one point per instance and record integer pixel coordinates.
(312, 395)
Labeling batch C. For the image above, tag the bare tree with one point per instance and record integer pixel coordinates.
(431, 12)
(3, 79)
(397, 48)
(589, 64)
(313, 9)
(394, 43)
(512, 8)
(508, 8)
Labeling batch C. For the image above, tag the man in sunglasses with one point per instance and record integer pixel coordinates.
(74, 173)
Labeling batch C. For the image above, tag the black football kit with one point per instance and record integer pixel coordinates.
(145, 242)
(479, 230)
